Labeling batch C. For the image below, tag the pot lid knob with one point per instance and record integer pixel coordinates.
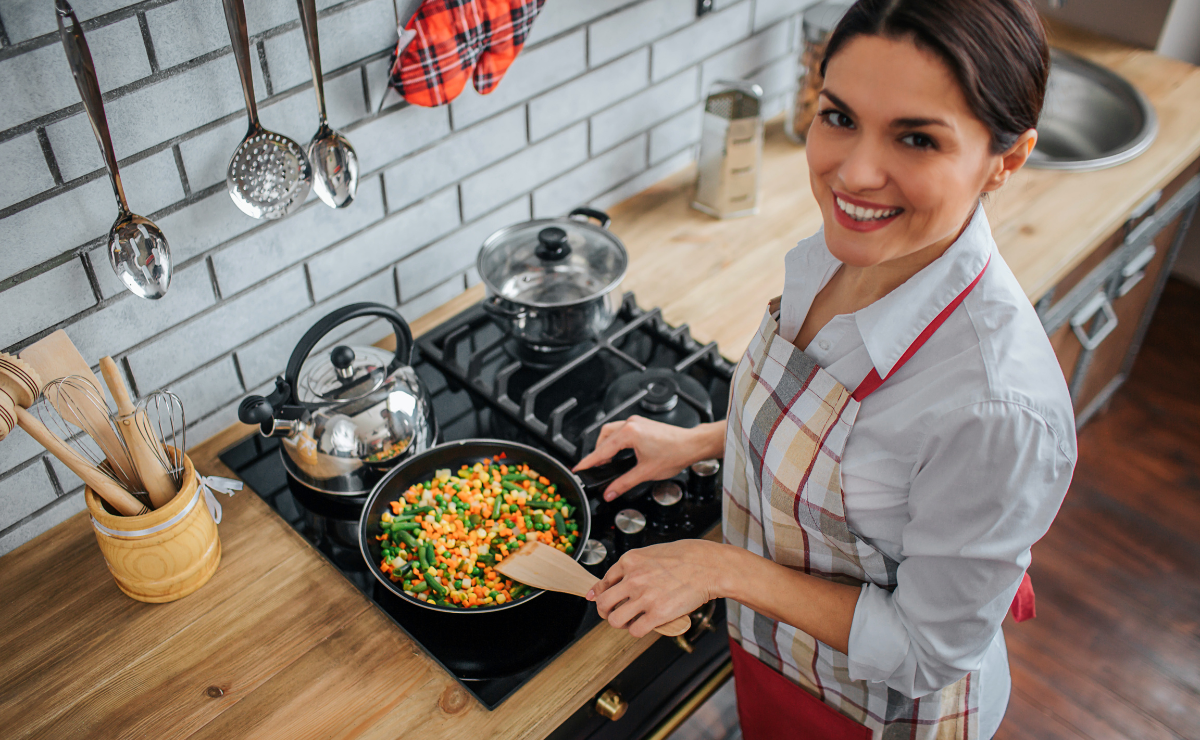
(552, 244)
(342, 358)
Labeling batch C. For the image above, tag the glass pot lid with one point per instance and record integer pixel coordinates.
(552, 262)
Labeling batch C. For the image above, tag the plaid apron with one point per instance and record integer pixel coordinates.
(789, 421)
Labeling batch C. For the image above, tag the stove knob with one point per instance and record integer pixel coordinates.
(703, 480)
(611, 705)
(595, 558)
(631, 530)
(667, 512)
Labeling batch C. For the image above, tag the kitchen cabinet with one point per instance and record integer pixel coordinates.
(1097, 315)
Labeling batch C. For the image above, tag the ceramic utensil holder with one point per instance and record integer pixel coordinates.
(163, 555)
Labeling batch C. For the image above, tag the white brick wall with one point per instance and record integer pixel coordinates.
(603, 102)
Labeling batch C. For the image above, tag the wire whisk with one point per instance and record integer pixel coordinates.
(75, 403)
(162, 422)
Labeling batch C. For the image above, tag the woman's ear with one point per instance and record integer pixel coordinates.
(1011, 160)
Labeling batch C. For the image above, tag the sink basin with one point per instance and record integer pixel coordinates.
(1091, 119)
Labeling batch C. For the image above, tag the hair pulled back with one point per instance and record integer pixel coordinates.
(996, 49)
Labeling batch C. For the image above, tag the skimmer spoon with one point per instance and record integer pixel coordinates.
(137, 249)
(332, 157)
(269, 174)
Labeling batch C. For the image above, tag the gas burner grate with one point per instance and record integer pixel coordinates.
(563, 405)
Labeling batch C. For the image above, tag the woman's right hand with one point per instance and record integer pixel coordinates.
(662, 450)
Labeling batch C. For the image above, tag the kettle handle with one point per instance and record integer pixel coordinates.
(404, 338)
(587, 213)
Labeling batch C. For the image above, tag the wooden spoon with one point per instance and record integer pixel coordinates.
(136, 431)
(546, 567)
(56, 356)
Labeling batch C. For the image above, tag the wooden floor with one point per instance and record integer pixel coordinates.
(1115, 649)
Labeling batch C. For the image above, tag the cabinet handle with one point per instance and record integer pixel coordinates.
(1099, 303)
(1135, 269)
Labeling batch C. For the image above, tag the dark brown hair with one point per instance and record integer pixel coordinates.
(995, 48)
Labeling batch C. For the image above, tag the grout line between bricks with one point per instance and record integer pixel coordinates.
(54, 481)
(183, 178)
(90, 271)
(48, 153)
(145, 28)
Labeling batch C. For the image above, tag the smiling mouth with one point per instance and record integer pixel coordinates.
(858, 213)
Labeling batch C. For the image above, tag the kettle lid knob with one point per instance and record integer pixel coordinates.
(342, 358)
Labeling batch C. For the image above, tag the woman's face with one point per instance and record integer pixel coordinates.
(896, 158)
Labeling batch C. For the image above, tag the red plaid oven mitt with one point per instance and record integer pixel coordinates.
(456, 39)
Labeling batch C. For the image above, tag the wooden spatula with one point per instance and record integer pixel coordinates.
(545, 567)
(56, 356)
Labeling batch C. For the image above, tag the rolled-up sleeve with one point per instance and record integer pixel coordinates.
(987, 483)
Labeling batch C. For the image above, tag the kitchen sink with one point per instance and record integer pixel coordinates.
(1092, 118)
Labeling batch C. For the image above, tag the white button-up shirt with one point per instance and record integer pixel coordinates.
(955, 466)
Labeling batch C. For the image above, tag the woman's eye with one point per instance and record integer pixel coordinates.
(919, 141)
(837, 119)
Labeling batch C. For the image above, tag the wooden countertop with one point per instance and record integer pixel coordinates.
(279, 644)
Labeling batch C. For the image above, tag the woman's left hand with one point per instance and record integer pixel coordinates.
(652, 585)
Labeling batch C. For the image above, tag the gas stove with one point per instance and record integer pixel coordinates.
(483, 384)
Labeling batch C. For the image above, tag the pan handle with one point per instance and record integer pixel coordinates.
(595, 479)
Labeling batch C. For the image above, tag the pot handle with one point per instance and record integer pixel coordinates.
(404, 338)
(492, 306)
(600, 216)
(595, 479)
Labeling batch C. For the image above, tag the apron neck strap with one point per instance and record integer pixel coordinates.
(873, 381)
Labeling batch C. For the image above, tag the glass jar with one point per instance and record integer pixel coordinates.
(818, 22)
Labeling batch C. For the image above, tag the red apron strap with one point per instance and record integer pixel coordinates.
(1024, 604)
(873, 381)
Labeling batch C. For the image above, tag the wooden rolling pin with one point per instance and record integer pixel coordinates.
(135, 428)
(542, 566)
(19, 384)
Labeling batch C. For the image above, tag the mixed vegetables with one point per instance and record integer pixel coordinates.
(443, 538)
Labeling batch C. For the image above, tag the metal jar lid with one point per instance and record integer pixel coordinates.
(553, 262)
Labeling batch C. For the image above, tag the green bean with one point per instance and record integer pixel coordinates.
(512, 487)
(560, 523)
(419, 510)
(430, 554)
(407, 538)
(518, 589)
(495, 512)
(418, 587)
(405, 526)
(434, 584)
(515, 477)
(423, 557)
(541, 504)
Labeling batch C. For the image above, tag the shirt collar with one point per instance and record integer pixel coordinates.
(890, 325)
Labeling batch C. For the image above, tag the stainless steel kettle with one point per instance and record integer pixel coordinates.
(347, 417)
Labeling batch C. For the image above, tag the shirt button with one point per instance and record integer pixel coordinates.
(823, 344)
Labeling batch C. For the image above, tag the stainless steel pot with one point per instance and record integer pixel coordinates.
(550, 281)
(347, 417)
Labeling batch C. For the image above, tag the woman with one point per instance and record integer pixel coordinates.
(899, 432)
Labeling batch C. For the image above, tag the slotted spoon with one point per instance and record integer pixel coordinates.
(269, 175)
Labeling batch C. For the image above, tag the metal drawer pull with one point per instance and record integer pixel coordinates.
(1098, 303)
(1135, 269)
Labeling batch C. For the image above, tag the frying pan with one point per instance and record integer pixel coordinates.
(573, 487)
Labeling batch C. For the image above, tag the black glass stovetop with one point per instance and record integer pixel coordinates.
(492, 654)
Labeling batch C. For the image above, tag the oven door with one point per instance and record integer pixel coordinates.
(661, 688)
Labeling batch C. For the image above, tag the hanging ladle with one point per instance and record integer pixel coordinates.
(332, 157)
(137, 249)
(268, 175)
